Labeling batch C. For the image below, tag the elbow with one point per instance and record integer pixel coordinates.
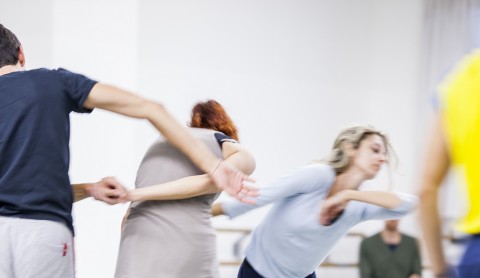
(246, 164)
(217, 209)
(428, 193)
(428, 196)
(251, 165)
(151, 109)
(428, 199)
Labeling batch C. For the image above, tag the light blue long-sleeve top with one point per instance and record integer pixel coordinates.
(290, 242)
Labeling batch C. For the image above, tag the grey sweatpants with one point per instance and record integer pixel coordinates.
(35, 249)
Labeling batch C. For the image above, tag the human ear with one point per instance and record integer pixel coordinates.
(21, 57)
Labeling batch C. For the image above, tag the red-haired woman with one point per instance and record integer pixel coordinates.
(167, 232)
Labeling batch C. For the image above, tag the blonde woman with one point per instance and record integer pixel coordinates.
(292, 241)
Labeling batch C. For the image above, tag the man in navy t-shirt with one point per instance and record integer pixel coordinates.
(35, 192)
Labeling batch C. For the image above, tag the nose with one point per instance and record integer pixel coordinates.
(382, 158)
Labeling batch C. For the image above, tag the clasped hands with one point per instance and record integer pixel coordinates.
(111, 191)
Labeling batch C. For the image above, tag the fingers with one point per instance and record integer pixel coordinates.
(329, 212)
(329, 215)
(324, 218)
(248, 180)
(245, 199)
(110, 191)
(228, 178)
(248, 193)
(117, 190)
(235, 183)
(248, 189)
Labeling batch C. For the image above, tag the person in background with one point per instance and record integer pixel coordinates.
(454, 143)
(391, 254)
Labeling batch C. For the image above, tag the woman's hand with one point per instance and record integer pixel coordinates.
(332, 208)
(242, 188)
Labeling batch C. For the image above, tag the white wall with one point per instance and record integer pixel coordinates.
(290, 73)
(99, 39)
(32, 26)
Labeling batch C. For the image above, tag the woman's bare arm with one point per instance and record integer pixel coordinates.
(200, 184)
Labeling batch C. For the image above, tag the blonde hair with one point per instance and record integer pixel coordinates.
(353, 135)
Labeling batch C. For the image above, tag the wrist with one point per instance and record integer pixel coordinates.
(346, 194)
(215, 168)
(88, 189)
(134, 195)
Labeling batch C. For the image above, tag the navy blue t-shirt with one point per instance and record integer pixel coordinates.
(34, 142)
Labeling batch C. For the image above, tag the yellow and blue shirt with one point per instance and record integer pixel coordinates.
(460, 108)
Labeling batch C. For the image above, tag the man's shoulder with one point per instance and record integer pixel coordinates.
(52, 71)
(408, 238)
(371, 239)
(41, 73)
(38, 75)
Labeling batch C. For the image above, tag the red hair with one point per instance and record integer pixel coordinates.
(211, 115)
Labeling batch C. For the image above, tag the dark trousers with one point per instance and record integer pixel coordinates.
(247, 271)
(469, 266)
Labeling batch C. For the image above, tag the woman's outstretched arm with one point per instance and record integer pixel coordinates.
(200, 184)
(384, 204)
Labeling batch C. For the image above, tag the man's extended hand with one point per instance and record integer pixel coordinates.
(110, 191)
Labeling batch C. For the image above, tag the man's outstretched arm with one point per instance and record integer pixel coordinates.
(225, 176)
(108, 190)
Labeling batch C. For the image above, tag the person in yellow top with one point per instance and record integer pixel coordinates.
(454, 142)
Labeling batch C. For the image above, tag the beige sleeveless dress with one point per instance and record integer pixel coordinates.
(169, 239)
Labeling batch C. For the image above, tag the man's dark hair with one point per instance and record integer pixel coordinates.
(9, 47)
